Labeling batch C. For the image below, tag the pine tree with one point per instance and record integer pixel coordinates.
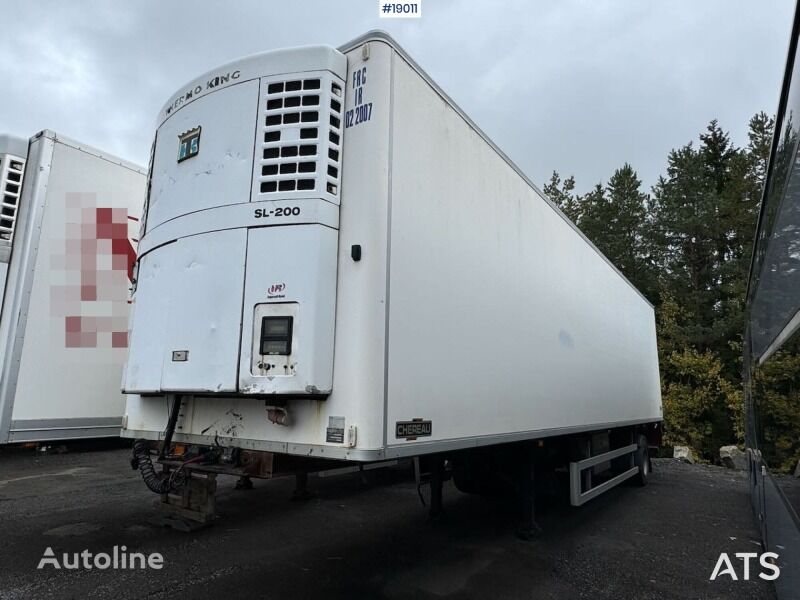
(595, 215)
(684, 234)
(563, 196)
(760, 136)
(628, 228)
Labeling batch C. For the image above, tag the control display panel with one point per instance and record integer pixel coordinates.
(276, 335)
(275, 340)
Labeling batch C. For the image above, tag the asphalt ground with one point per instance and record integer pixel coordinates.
(370, 539)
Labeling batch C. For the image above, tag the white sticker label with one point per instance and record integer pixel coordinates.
(335, 432)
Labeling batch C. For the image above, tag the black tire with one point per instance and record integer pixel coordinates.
(482, 478)
(642, 461)
(463, 481)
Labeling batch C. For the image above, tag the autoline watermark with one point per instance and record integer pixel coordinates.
(118, 558)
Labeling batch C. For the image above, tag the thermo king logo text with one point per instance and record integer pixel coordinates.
(199, 89)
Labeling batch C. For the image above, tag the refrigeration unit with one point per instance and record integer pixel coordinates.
(68, 229)
(337, 264)
(13, 151)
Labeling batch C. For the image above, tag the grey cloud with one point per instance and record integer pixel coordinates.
(576, 86)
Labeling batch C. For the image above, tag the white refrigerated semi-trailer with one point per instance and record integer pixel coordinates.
(336, 263)
(67, 234)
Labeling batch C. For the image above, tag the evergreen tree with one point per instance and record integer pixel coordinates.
(562, 194)
(760, 136)
(688, 248)
(595, 215)
(628, 228)
(684, 234)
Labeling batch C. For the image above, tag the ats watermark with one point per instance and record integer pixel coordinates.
(767, 567)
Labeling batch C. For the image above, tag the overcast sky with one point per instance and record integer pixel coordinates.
(576, 86)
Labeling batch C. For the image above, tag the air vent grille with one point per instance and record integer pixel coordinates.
(11, 171)
(300, 137)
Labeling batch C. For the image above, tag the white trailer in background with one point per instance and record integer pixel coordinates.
(338, 264)
(68, 235)
(13, 151)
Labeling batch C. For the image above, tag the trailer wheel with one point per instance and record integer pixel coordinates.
(642, 461)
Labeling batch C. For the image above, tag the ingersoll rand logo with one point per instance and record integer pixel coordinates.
(276, 290)
(413, 429)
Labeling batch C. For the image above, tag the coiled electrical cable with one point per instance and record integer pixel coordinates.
(158, 483)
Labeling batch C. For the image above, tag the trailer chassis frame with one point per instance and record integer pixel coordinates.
(577, 495)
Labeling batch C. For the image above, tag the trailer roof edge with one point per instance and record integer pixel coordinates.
(14, 145)
(62, 139)
(378, 35)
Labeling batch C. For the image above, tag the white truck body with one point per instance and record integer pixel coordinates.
(65, 308)
(438, 299)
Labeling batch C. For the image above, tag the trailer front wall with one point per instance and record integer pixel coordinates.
(347, 423)
(503, 318)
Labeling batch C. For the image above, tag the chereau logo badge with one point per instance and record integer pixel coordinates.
(119, 558)
(413, 429)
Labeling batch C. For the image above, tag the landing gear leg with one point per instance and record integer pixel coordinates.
(528, 526)
(437, 484)
(301, 486)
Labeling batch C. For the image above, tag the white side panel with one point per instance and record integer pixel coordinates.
(72, 261)
(220, 172)
(188, 299)
(3, 277)
(502, 318)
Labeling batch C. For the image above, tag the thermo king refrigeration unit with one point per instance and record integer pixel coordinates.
(336, 263)
(68, 230)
